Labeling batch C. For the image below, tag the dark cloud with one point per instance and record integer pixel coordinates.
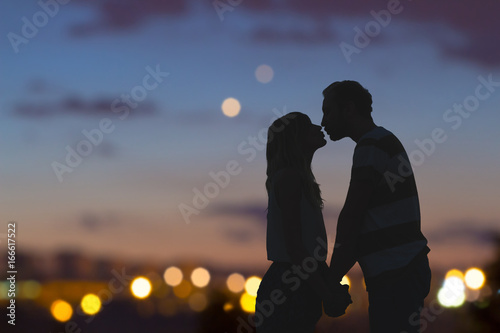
(255, 210)
(476, 22)
(119, 15)
(75, 105)
(92, 222)
(468, 232)
(272, 35)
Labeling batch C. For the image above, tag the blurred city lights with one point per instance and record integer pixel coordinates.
(183, 289)
(345, 280)
(167, 307)
(454, 273)
(472, 295)
(452, 294)
(252, 285)
(228, 306)
(91, 304)
(173, 276)
(197, 302)
(30, 289)
(231, 107)
(474, 278)
(247, 302)
(236, 282)
(264, 73)
(140, 287)
(61, 310)
(200, 277)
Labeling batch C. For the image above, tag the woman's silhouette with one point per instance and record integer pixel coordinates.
(292, 290)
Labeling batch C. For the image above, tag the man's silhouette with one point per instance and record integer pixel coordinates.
(379, 225)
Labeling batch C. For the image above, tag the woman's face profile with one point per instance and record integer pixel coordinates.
(313, 138)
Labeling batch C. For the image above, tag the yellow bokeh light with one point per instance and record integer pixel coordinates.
(91, 304)
(198, 302)
(231, 107)
(228, 306)
(140, 287)
(61, 310)
(456, 273)
(264, 73)
(345, 280)
(183, 289)
(200, 277)
(474, 278)
(252, 285)
(235, 282)
(173, 276)
(247, 302)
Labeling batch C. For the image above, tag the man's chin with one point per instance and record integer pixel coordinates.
(336, 137)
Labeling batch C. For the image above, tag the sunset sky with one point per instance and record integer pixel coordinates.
(431, 66)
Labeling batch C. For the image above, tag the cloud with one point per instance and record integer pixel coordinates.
(77, 106)
(114, 15)
(463, 231)
(255, 210)
(476, 22)
(92, 222)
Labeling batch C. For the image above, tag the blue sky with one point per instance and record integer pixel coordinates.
(128, 190)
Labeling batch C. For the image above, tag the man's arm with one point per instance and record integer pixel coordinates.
(349, 224)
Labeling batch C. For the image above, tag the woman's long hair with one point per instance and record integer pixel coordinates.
(284, 151)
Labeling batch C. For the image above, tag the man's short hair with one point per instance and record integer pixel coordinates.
(344, 92)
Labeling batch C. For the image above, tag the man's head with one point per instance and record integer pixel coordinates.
(345, 105)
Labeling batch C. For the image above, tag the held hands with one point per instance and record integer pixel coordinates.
(337, 299)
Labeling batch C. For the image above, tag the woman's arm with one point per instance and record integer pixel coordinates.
(288, 190)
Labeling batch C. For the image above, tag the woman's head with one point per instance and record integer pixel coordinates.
(291, 142)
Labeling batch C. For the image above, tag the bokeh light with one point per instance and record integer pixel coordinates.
(140, 287)
(228, 306)
(264, 73)
(452, 294)
(183, 289)
(346, 280)
(173, 276)
(454, 272)
(236, 282)
(474, 278)
(30, 289)
(252, 285)
(247, 302)
(472, 295)
(231, 107)
(91, 304)
(61, 310)
(198, 302)
(200, 277)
